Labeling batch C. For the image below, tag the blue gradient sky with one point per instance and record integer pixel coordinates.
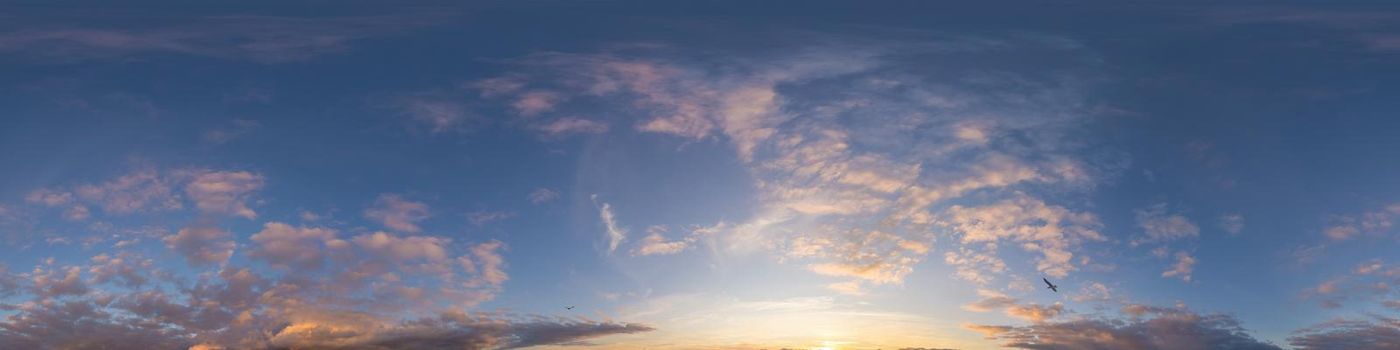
(819, 175)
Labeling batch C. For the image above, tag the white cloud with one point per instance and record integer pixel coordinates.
(397, 213)
(77, 213)
(130, 269)
(224, 192)
(56, 282)
(1094, 291)
(1185, 263)
(571, 125)
(532, 103)
(542, 195)
(50, 198)
(491, 266)
(1159, 226)
(993, 300)
(288, 246)
(1037, 227)
(850, 150)
(142, 190)
(403, 248)
(1341, 232)
(202, 245)
(440, 114)
(656, 244)
(1372, 222)
(613, 233)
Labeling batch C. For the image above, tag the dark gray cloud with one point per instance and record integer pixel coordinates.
(1165, 329)
(1377, 334)
(457, 331)
(84, 325)
(151, 320)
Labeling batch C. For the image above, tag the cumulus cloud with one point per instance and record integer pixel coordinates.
(288, 246)
(129, 269)
(490, 264)
(56, 282)
(865, 189)
(876, 257)
(48, 197)
(1034, 312)
(993, 300)
(1369, 281)
(1161, 329)
(397, 213)
(202, 245)
(139, 191)
(217, 192)
(1372, 222)
(1037, 227)
(224, 192)
(974, 266)
(403, 248)
(368, 298)
(77, 213)
(1183, 267)
(1094, 291)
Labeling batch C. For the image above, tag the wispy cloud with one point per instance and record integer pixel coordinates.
(1232, 223)
(237, 128)
(820, 177)
(397, 213)
(1374, 222)
(613, 233)
(542, 195)
(263, 39)
(1185, 263)
(1160, 226)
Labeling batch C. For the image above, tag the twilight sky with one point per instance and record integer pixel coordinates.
(804, 175)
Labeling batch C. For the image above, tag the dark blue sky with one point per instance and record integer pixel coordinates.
(817, 174)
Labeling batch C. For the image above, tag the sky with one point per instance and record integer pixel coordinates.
(686, 175)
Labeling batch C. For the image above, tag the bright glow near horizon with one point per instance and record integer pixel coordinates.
(834, 176)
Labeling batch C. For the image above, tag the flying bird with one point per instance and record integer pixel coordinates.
(1051, 286)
